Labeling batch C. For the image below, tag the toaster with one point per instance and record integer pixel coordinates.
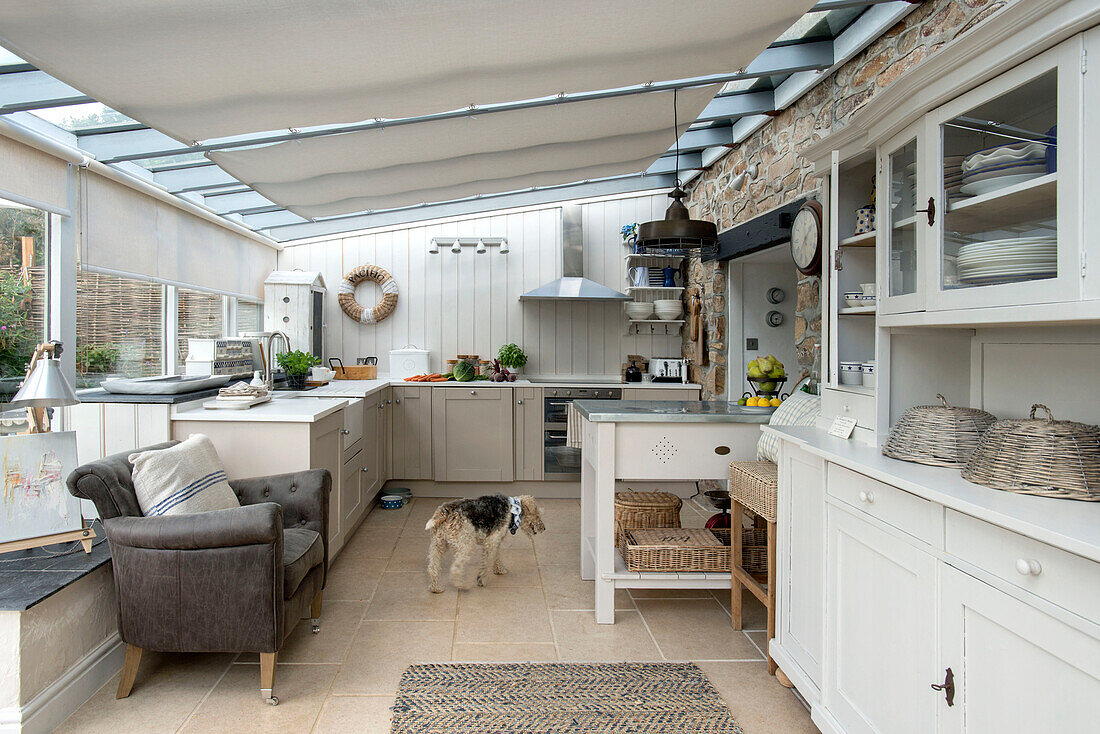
(662, 369)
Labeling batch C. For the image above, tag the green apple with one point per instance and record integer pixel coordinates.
(767, 386)
(743, 401)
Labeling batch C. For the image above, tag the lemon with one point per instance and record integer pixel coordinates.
(776, 402)
(751, 402)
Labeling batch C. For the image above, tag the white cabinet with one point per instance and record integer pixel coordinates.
(800, 558)
(1013, 667)
(881, 628)
(472, 434)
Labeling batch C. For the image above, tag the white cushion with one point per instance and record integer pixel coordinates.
(185, 479)
(800, 409)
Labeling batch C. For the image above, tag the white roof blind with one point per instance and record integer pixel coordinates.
(32, 177)
(460, 157)
(210, 68)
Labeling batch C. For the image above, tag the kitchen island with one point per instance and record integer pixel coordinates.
(651, 440)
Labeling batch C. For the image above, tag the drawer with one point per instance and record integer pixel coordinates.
(914, 515)
(353, 422)
(860, 406)
(1060, 577)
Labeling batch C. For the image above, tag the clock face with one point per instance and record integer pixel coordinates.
(806, 239)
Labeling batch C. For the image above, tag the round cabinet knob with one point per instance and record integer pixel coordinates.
(846, 408)
(398, 401)
(473, 392)
(344, 431)
(867, 497)
(388, 402)
(381, 406)
(1028, 567)
(519, 402)
(553, 392)
(364, 469)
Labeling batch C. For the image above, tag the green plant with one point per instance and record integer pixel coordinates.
(17, 335)
(297, 362)
(91, 359)
(511, 356)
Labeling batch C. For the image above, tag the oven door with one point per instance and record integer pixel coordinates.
(556, 410)
(559, 461)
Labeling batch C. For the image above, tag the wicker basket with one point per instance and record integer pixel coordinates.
(1039, 456)
(754, 553)
(939, 435)
(755, 484)
(676, 549)
(647, 509)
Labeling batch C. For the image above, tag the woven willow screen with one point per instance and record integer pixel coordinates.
(119, 327)
(201, 316)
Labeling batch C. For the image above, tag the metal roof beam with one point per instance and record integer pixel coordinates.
(271, 219)
(824, 6)
(36, 90)
(237, 202)
(688, 161)
(772, 61)
(495, 202)
(703, 138)
(127, 145)
(737, 105)
(197, 178)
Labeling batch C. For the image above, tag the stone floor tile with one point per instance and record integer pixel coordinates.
(580, 638)
(359, 714)
(405, 596)
(503, 615)
(492, 652)
(694, 629)
(382, 650)
(756, 699)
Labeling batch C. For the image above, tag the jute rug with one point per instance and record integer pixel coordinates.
(559, 698)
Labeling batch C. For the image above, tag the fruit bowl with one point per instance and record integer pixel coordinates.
(769, 386)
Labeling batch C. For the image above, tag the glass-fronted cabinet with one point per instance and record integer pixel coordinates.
(984, 191)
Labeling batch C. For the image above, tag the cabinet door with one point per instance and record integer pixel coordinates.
(412, 432)
(1007, 174)
(473, 434)
(881, 629)
(385, 430)
(325, 453)
(529, 439)
(351, 498)
(1014, 668)
(800, 597)
(370, 461)
(902, 225)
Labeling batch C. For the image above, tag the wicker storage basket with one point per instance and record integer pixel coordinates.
(754, 553)
(939, 435)
(755, 484)
(1039, 456)
(647, 509)
(676, 549)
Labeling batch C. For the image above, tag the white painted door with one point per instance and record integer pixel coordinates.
(1014, 667)
(800, 613)
(901, 223)
(880, 629)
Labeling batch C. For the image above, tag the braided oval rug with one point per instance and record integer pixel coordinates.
(559, 698)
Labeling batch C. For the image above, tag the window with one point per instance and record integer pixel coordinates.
(199, 316)
(250, 316)
(23, 266)
(119, 328)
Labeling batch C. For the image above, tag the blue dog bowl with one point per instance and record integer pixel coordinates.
(392, 502)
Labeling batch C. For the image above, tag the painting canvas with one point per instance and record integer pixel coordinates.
(35, 499)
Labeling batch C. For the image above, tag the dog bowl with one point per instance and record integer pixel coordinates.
(404, 493)
(392, 502)
(718, 498)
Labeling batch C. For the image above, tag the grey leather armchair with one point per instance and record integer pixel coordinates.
(235, 580)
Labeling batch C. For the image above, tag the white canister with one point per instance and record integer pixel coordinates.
(867, 369)
(851, 373)
(408, 361)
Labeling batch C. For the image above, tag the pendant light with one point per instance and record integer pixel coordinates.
(678, 231)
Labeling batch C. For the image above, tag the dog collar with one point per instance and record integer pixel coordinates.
(517, 515)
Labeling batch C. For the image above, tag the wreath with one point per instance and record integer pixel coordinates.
(377, 312)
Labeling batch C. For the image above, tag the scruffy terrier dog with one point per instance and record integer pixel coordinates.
(468, 526)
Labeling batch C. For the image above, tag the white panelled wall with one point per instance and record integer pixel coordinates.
(468, 303)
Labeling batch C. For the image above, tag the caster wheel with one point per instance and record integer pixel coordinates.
(274, 700)
(316, 629)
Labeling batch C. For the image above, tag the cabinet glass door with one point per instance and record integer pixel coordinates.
(1002, 168)
(901, 267)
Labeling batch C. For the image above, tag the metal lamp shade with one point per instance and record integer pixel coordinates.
(678, 230)
(45, 387)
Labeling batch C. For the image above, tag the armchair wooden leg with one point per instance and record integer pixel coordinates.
(267, 677)
(315, 613)
(129, 671)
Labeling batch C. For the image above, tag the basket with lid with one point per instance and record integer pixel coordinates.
(1043, 456)
(939, 435)
(646, 510)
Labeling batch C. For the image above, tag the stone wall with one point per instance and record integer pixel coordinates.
(785, 175)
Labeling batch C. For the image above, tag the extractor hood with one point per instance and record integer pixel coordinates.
(573, 286)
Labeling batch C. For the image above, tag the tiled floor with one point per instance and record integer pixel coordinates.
(379, 617)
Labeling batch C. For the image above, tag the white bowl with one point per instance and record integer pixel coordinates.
(668, 315)
(668, 302)
(639, 310)
(850, 377)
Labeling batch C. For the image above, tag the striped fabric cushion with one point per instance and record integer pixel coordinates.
(185, 479)
(800, 409)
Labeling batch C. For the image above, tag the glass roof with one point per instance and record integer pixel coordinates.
(81, 117)
(819, 26)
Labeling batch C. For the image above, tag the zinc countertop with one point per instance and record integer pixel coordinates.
(667, 411)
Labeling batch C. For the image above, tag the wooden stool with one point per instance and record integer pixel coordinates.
(753, 485)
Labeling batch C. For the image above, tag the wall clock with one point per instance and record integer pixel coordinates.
(806, 238)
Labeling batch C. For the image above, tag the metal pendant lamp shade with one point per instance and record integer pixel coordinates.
(45, 387)
(678, 231)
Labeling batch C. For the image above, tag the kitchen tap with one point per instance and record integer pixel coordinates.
(269, 376)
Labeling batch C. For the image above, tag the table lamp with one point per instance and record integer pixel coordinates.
(45, 387)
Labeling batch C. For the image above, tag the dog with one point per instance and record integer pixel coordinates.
(466, 525)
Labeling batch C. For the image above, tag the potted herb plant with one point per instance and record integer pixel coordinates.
(296, 364)
(512, 357)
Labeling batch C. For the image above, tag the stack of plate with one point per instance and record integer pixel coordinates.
(953, 176)
(1008, 260)
(1004, 165)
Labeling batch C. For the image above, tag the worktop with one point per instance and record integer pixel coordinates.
(1067, 524)
(283, 408)
(666, 411)
(99, 395)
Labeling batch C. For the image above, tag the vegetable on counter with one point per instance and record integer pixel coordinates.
(511, 355)
(464, 372)
(431, 377)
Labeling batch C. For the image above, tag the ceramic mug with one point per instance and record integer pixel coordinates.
(868, 288)
(639, 276)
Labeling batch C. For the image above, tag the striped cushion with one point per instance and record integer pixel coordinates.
(800, 409)
(185, 479)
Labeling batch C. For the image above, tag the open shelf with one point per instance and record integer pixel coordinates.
(1011, 205)
(652, 288)
(663, 258)
(657, 321)
(867, 239)
(857, 311)
(906, 223)
(654, 327)
(854, 389)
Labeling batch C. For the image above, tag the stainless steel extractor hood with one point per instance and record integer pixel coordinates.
(573, 286)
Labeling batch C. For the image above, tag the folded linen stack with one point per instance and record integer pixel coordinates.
(241, 391)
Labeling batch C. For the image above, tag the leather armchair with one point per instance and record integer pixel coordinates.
(235, 580)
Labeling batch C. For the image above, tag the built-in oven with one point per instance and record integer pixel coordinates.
(560, 462)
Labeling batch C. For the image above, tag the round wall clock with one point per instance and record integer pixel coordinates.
(806, 238)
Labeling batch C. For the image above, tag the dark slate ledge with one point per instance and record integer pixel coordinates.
(99, 395)
(28, 577)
